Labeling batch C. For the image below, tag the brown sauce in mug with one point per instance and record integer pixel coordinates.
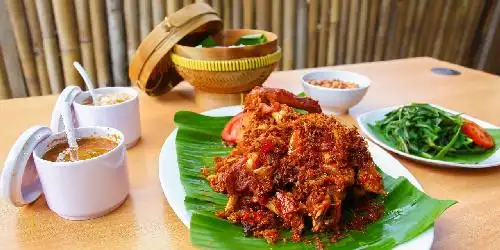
(88, 148)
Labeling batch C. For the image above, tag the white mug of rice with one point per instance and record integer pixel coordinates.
(115, 107)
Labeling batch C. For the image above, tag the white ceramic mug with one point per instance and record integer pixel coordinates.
(123, 116)
(84, 189)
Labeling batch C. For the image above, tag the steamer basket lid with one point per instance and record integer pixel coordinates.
(20, 184)
(152, 68)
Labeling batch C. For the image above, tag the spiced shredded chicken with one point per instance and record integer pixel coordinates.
(289, 170)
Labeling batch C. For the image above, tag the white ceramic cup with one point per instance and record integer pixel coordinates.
(84, 189)
(122, 116)
(336, 101)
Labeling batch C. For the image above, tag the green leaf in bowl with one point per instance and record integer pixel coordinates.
(253, 39)
(208, 42)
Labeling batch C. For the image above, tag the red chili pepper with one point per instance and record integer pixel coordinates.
(263, 200)
(266, 147)
(309, 172)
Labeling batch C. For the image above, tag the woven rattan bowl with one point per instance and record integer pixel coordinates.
(227, 70)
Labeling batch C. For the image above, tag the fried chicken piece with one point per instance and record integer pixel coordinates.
(261, 96)
(261, 102)
(287, 167)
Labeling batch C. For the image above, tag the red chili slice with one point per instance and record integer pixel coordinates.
(266, 147)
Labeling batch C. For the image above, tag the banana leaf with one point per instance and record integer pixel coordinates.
(470, 158)
(408, 211)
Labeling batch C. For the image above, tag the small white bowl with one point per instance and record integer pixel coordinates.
(336, 101)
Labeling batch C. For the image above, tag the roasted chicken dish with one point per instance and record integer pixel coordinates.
(290, 170)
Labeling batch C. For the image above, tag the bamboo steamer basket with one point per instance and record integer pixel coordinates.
(168, 55)
(151, 68)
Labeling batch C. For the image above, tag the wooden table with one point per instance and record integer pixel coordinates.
(146, 221)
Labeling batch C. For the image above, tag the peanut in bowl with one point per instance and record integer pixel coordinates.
(336, 91)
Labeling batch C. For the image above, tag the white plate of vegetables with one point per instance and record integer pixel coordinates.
(434, 135)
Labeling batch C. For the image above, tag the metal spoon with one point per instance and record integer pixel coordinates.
(69, 129)
(86, 79)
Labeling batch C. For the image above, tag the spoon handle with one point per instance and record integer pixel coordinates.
(69, 128)
(86, 79)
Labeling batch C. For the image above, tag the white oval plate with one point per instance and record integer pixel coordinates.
(174, 191)
(377, 115)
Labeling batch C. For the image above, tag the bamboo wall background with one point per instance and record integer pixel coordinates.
(41, 38)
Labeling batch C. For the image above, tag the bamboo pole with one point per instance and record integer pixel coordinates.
(50, 44)
(409, 28)
(323, 35)
(228, 17)
(145, 18)
(343, 27)
(312, 32)
(100, 38)
(158, 9)
(485, 54)
(427, 26)
(428, 36)
(276, 13)
(10, 54)
(262, 15)
(351, 33)
(450, 32)
(172, 6)
(393, 49)
(116, 41)
(23, 41)
(248, 14)
(37, 43)
(85, 36)
(424, 32)
(333, 34)
(454, 38)
(237, 7)
(433, 32)
(372, 29)
(165, 5)
(276, 8)
(288, 34)
(301, 37)
(68, 39)
(217, 5)
(131, 12)
(5, 92)
(362, 30)
(383, 27)
(419, 23)
(442, 26)
(472, 25)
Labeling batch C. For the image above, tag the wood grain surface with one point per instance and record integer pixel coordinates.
(146, 221)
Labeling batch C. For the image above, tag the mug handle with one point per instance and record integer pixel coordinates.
(69, 94)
